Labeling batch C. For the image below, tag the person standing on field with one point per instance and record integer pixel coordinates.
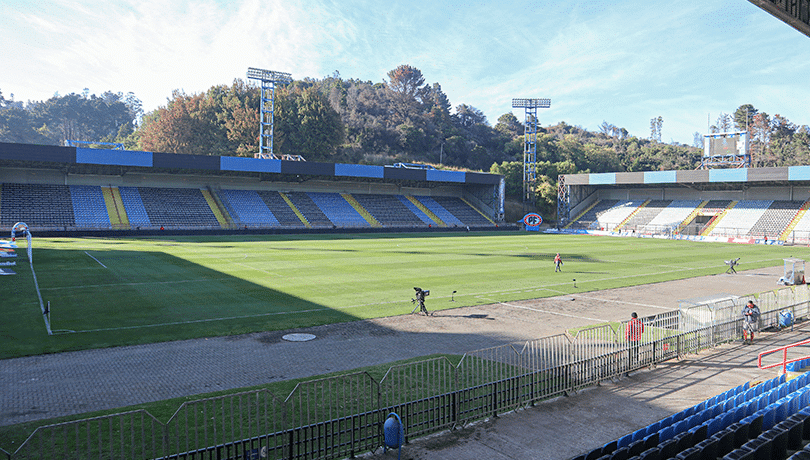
(558, 263)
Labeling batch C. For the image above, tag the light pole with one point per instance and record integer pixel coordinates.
(269, 78)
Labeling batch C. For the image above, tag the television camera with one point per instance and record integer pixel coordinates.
(420, 299)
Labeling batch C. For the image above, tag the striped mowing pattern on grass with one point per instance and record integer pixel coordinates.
(142, 290)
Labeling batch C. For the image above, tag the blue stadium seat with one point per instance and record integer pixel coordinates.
(639, 434)
(666, 433)
(624, 441)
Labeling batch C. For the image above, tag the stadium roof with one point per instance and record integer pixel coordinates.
(747, 176)
(137, 159)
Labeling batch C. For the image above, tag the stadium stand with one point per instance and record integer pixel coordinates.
(769, 420)
(133, 205)
(337, 210)
(88, 207)
(309, 209)
(775, 219)
(285, 215)
(590, 217)
(646, 214)
(247, 208)
(392, 210)
(427, 220)
(611, 218)
(38, 205)
(150, 190)
(671, 216)
(439, 210)
(177, 208)
(463, 212)
(739, 220)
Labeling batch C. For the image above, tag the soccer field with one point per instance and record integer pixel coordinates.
(111, 292)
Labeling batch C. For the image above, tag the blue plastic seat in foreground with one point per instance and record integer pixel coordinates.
(624, 441)
(666, 434)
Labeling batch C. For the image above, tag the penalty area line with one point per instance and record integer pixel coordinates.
(521, 307)
(99, 262)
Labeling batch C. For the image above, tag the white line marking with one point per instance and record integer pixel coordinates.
(257, 269)
(99, 262)
(549, 312)
(92, 286)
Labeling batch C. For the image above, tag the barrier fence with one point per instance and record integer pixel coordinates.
(342, 416)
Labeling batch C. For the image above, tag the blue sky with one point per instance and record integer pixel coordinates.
(623, 61)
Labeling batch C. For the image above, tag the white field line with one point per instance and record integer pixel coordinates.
(477, 295)
(257, 269)
(94, 286)
(99, 262)
(548, 312)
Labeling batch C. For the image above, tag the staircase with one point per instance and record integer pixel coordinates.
(295, 210)
(360, 209)
(427, 211)
(691, 217)
(632, 214)
(115, 207)
(716, 219)
(217, 208)
(798, 217)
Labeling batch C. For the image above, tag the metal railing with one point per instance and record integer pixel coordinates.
(342, 416)
(784, 362)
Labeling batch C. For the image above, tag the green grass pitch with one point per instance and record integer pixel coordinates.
(111, 292)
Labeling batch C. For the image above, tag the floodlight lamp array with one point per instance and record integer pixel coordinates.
(532, 103)
(268, 75)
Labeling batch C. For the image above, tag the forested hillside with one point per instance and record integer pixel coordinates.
(400, 119)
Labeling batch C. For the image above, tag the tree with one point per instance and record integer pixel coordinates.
(509, 125)
(723, 124)
(743, 116)
(306, 124)
(697, 140)
(408, 82)
(655, 128)
(467, 116)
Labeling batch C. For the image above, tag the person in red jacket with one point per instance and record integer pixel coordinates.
(633, 332)
(557, 263)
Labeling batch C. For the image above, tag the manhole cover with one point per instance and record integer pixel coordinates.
(298, 337)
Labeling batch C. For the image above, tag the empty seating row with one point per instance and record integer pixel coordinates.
(392, 210)
(338, 210)
(731, 425)
(739, 219)
(753, 218)
(38, 205)
(647, 213)
(776, 218)
(86, 206)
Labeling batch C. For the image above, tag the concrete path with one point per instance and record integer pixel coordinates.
(565, 427)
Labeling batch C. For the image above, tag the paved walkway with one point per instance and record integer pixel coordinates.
(569, 426)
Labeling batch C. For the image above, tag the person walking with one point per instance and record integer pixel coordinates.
(750, 322)
(558, 263)
(633, 332)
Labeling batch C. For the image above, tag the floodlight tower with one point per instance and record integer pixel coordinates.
(269, 78)
(530, 143)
